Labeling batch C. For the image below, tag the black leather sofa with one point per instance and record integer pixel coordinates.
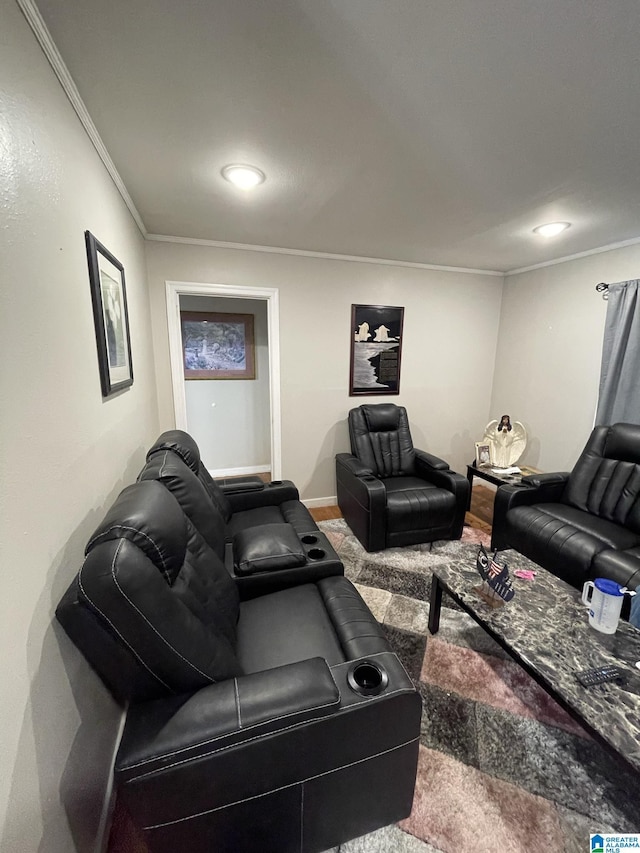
(262, 532)
(584, 524)
(242, 503)
(279, 723)
(390, 493)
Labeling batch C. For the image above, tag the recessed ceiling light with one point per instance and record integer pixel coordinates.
(551, 229)
(245, 177)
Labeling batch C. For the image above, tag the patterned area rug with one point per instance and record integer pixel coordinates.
(502, 766)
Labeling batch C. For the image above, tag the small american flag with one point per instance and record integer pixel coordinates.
(494, 569)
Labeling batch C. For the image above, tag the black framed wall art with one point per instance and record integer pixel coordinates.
(376, 349)
(111, 317)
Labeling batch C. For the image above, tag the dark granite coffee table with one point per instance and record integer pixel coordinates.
(545, 629)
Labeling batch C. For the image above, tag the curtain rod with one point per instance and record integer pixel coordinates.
(603, 288)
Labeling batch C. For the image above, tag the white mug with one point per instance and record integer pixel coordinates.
(604, 604)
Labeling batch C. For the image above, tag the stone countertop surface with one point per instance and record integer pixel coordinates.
(547, 628)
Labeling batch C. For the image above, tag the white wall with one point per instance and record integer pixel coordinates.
(548, 361)
(229, 418)
(66, 453)
(449, 344)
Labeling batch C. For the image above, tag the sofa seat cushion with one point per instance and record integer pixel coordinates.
(294, 513)
(415, 504)
(612, 535)
(623, 567)
(564, 539)
(284, 627)
(267, 548)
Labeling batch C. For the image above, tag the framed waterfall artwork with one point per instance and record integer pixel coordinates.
(217, 346)
(376, 349)
(110, 316)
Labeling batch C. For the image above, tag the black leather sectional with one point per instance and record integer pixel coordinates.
(584, 524)
(266, 710)
(262, 531)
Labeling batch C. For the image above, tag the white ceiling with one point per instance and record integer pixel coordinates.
(429, 131)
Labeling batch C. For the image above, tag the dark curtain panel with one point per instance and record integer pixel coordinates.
(619, 396)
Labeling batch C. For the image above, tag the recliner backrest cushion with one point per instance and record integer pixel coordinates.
(182, 444)
(162, 593)
(381, 439)
(606, 478)
(192, 496)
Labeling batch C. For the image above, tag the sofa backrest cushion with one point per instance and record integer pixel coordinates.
(169, 469)
(184, 446)
(606, 478)
(160, 593)
(381, 439)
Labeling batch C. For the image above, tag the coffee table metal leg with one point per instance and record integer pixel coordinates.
(435, 604)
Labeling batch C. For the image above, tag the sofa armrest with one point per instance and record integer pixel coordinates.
(267, 548)
(212, 793)
(534, 489)
(429, 461)
(183, 728)
(552, 480)
(362, 497)
(442, 476)
(232, 485)
(353, 465)
(273, 494)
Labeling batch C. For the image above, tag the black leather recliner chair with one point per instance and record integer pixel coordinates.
(282, 723)
(270, 545)
(242, 503)
(390, 493)
(584, 524)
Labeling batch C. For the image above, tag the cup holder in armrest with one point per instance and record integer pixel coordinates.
(315, 553)
(309, 539)
(367, 678)
(276, 482)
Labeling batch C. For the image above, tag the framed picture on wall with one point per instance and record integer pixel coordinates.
(376, 348)
(217, 346)
(110, 315)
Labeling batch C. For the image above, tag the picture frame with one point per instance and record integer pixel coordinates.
(484, 455)
(376, 350)
(110, 317)
(217, 345)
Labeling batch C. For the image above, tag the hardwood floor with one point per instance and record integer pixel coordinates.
(325, 513)
(479, 516)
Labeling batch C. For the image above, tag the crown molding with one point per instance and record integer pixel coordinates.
(610, 248)
(306, 253)
(42, 34)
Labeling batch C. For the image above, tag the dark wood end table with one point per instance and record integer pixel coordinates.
(487, 473)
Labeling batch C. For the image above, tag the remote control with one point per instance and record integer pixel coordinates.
(599, 675)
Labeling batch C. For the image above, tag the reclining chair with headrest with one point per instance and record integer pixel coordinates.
(265, 553)
(583, 524)
(280, 724)
(390, 493)
(242, 503)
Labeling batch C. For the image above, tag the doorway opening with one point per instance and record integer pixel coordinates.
(227, 418)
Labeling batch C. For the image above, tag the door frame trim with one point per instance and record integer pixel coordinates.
(174, 290)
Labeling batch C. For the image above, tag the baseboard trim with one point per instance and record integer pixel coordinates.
(312, 503)
(240, 472)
